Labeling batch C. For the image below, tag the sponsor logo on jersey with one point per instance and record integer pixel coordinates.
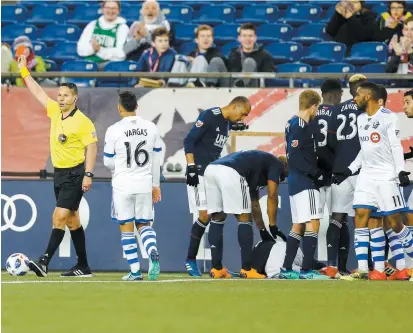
(364, 138)
(376, 124)
(220, 140)
(199, 123)
(375, 137)
(294, 143)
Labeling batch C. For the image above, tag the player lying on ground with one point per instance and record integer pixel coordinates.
(131, 152)
(232, 184)
(204, 144)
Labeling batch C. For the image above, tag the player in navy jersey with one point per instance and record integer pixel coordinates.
(232, 184)
(203, 145)
(304, 181)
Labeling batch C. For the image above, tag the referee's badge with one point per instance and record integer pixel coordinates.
(294, 143)
(62, 138)
(199, 123)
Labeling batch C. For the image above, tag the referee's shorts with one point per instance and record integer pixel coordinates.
(68, 186)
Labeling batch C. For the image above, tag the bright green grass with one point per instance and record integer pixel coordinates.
(203, 306)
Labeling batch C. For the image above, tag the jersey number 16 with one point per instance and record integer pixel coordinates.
(138, 152)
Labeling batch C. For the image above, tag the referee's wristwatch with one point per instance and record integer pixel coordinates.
(89, 174)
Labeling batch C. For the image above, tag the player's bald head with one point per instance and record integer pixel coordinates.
(241, 101)
(354, 81)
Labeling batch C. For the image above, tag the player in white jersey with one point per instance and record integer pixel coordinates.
(378, 185)
(132, 147)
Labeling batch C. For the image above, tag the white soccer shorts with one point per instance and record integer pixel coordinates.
(342, 196)
(128, 208)
(410, 203)
(226, 190)
(385, 196)
(325, 200)
(197, 196)
(305, 206)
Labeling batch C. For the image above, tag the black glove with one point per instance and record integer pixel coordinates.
(340, 177)
(192, 175)
(317, 178)
(265, 235)
(239, 126)
(404, 178)
(275, 232)
(409, 155)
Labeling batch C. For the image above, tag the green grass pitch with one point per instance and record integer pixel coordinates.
(175, 303)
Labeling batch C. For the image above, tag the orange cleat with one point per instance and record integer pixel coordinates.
(409, 271)
(399, 275)
(329, 271)
(251, 274)
(220, 273)
(389, 269)
(376, 275)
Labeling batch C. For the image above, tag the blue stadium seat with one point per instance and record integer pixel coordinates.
(336, 68)
(225, 32)
(311, 33)
(187, 48)
(295, 67)
(284, 52)
(367, 52)
(185, 32)
(301, 14)
(131, 13)
(257, 14)
(226, 49)
(274, 32)
(118, 66)
(11, 31)
(325, 4)
(216, 14)
(80, 66)
(178, 14)
(60, 33)
(325, 52)
(71, 5)
(381, 8)
(40, 48)
(374, 68)
(48, 14)
(196, 4)
(12, 14)
(328, 15)
(83, 15)
(64, 52)
(51, 65)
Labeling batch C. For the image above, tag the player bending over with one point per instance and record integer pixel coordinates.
(203, 145)
(232, 184)
(131, 151)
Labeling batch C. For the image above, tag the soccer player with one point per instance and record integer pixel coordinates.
(232, 184)
(73, 152)
(304, 181)
(378, 185)
(408, 110)
(203, 145)
(132, 147)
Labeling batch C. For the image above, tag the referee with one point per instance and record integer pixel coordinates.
(73, 151)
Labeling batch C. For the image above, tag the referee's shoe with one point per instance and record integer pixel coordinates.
(78, 271)
(39, 267)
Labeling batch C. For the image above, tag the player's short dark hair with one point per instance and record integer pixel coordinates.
(409, 93)
(71, 86)
(382, 93)
(127, 99)
(240, 100)
(159, 32)
(330, 85)
(373, 88)
(247, 26)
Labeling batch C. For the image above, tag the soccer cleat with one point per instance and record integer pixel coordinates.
(39, 267)
(133, 276)
(313, 275)
(154, 267)
(330, 271)
(288, 274)
(377, 276)
(77, 271)
(220, 273)
(356, 275)
(192, 268)
(251, 274)
(409, 271)
(400, 275)
(389, 269)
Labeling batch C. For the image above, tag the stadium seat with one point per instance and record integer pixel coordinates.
(83, 15)
(325, 4)
(336, 68)
(51, 65)
(80, 66)
(60, 33)
(324, 53)
(71, 5)
(290, 68)
(284, 52)
(274, 32)
(226, 49)
(185, 32)
(48, 14)
(11, 31)
(367, 52)
(301, 14)
(40, 48)
(64, 52)
(311, 33)
(374, 68)
(381, 8)
(130, 13)
(187, 48)
(225, 32)
(328, 15)
(196, 4)
(118, 66)
(178, 14)
(257, 14)
(12, 14)
(215, 14)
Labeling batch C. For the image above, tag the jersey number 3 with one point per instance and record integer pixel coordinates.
(141, 155)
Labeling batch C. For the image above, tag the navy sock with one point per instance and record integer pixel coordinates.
(293, 242)
(309, 246)
(79, 242)
(344, 247)
(333, 242)
(387, 247)
(197, 231)
(54, 241)
(216, 241)
(246, 243)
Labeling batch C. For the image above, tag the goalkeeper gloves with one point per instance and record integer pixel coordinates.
(404, 178)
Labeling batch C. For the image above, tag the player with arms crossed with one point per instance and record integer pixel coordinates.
(232, 184)
(304, 181)
(203, 145)
(378, 185)
(132, 147)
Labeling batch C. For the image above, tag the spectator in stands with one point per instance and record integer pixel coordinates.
(391, 22)
(248, 57)
(103, 39)
(159, 58)
(401, 50)
(138, 42)
(22, 45)
(198, 60)
(351, 24)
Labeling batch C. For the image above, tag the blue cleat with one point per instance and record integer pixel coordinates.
(154, 267)
(313, 275)
(288, 274)
(133, 276)
(192, 268)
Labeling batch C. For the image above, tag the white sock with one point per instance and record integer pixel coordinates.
(396, 249)
(361, 245)
(130, 248)
(378, 245)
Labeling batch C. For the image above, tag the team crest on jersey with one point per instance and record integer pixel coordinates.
(294, 143)
(199, 123)
(376, 124)
(375, 137)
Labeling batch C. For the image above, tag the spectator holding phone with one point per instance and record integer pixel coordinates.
(391, 22)
(401, 50)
